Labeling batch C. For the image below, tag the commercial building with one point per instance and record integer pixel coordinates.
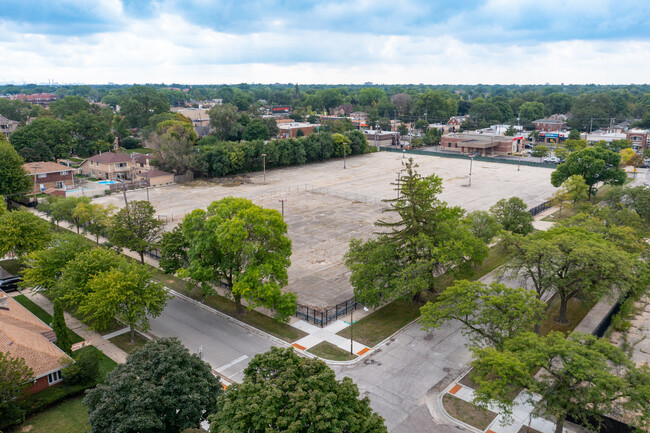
(51, 178)
(482, 144)
(640, 139)
(23, 335)
(290, 129)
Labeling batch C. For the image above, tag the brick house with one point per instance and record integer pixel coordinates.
(290, 130)
(108, 165)
(50, 177)
(640, 139)
(7, 126)
(455, 122)
(551, 124)
(484, 145)
(23, 335)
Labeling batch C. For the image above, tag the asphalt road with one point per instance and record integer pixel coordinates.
(405, 377)
(227, 346)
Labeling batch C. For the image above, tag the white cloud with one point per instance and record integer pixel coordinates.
(169, 49)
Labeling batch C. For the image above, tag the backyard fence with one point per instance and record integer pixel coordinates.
(323, 317)
(540, 208)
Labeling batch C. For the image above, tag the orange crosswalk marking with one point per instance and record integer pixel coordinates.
(362, 351)
(298, 346)
(455, 389)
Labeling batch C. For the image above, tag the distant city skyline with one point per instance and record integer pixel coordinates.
(329, 42)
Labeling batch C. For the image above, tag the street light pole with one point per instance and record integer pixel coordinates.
(471, 160)
(352, 328)
(282, 200)
(344, 151)
(264, 166)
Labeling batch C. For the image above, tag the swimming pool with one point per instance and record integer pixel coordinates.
(107, 182)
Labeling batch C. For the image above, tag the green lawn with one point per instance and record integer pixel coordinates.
(70, 416)
(576, 311)
(124, 342)
(42, 314)
(11, 265)
(389, 319)
(467, 412)
(327, 350)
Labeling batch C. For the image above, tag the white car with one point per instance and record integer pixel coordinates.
(551, 160)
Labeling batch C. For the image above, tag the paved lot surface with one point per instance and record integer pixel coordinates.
(227, 346)
(326, 206)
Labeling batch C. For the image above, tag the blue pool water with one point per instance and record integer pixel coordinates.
(107, 182)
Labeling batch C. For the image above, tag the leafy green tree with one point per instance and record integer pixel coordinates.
(572, 262)
(161, 388)
(72, 287)
(14, 378)
(402, 129)
(54, 135)
(63, 338)
(91, 133)
(427, 239)
(226, 122)
(63, 209)
(575, 145)
(173, 251)
(370, 96)
(490, 314)
(540, 151)
(69, 106)
(256, 130)
(437, 104)
(510, 132)
(574, 134)
(483, 225)
(432, 137)
(94, 217)
(85, 369)
(421, 125)
(245, 247)
(573, 190)
(125, 292)
(282, 391)
(22, 232)
(579, 376)
(513, 216)
(595, 165)
(139, 103)
(44, 267)
(341, 145)
(636, 198)
(531, 111)
(135, 227)
(172, 144)
(591, 110)
(14, 179)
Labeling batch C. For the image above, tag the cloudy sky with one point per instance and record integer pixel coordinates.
(323, 41)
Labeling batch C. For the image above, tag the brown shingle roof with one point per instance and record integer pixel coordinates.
(22, 335)
(46, 167)
(110, 158)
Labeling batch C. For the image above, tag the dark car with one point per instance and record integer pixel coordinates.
(10, 284)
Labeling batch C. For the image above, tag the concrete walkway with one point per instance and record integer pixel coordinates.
(91, 337)
(318, 335)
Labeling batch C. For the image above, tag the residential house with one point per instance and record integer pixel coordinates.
(108, 165)
(23, 335)
(43, 99)
(141, 163)
(7, 126)
(50, 177)
(342, 110)
(455, 122)
(199, 117)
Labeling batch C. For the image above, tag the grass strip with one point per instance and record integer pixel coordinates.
(382, 323)
(123, 341)
(69, 416)
(467, 412)
(327, 350)
(43, 315)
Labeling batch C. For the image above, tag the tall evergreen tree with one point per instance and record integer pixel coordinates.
(63, 339)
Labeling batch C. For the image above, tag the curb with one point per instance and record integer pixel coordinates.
(444, 412)
(246, 326)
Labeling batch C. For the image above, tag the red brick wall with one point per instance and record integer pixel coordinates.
(40, 385)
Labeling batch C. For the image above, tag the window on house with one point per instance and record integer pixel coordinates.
(59, 185)
(93, 172)
(63, 173)
(53, 378)
(449, 145)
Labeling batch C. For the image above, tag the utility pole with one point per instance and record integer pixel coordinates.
(264, 163)
(352, 328)
(282, 200)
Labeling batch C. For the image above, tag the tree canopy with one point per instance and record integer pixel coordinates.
(282, 391)
(135, 227)
(161, 388)
(14, 179)
(426, 238)
(594, 164)
(512, 215)
(22, 232)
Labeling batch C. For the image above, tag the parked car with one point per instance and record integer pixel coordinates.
(10, 284)
(551, 160)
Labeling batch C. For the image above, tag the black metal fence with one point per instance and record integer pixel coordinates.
(323, 317)
(540, 208)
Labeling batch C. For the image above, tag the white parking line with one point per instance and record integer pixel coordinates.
(230, 364)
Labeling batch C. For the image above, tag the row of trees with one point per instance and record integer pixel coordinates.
(599, 253)
(175, 390)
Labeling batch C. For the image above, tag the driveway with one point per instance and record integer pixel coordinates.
(227, 346)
